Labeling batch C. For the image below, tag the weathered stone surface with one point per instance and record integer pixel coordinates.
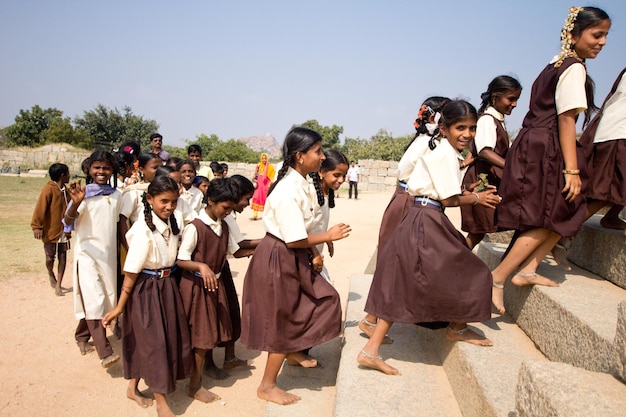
(552, 389)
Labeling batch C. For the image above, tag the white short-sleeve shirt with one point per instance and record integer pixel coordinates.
(233, 228)
(612, 125)
(411, 155)
(437, 174)
(190, 237)
(151, 250)
(288, 212)
(193, 197)
(321, 215)
(132, 203)
(570, 89)
(486, 134)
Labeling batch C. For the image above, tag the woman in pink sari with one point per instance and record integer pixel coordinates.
(263, 176)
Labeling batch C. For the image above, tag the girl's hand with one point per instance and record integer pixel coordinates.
(489, 198)
(107, 320)
(331, 248)
(76, 192)
(318, 263)
(470, 187)
(469, 160)
(209, 278)
(573, 186)
(339, 231)
(38, 233)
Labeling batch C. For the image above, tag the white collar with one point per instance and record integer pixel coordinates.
(495, 113)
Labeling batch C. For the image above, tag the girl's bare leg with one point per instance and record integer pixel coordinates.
(473, 239)
(211, 367)
(230, 360)
(370, 355)
(196, 390)
(268, 390)
(133, 393)
(163, 408)
(527, 274)
(526, 246)
(367, 324)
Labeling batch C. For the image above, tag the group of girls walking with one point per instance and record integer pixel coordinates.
(177, 299)
(426, 272)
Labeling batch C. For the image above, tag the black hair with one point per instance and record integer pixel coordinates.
(244, 184)
(102, 156)
(159, 185)
(155, 135)
(298, 139)
(131, 147)
(587, 18)
(199, 179)
(173, 161)
(84, 166)
(216, 167)
(184, 162)
(144, 158)
(225, 166)
(123, 160)
(222, 189)
(430, 107)
(194, 148)
(455, 111)
(334, 158)
(500, 85)
(56, 170)
(164, 170)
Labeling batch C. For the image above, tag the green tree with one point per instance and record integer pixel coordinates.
(31, 126)
(206, 143)
(330, 134)
(382, 146)
(111, 127)
(232, 151)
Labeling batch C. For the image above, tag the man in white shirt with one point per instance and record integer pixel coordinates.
(354, 176)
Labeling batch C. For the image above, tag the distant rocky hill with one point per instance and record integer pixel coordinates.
(264, 143)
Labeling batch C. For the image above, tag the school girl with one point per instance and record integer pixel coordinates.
(490, 147)
(205, 244)
(192, 195)
(329, 178)
(604, 143)
(155, 335)
(288, 307)
(425, 139)
(545, 169)
(427, 273)
(94, 213)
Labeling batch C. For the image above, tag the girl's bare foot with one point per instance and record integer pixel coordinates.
(465, 334)
(58, 291)
(559, 253)
(165, 411)
(375, 362)
(216, 373)
(53, 280)
(202, 394)
(138, 397)
(367, 327)
(236, 362)
(520, 279)
(276, 395)
(497, 297)
(300, 359)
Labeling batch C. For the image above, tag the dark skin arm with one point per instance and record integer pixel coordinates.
(127, 289)
(493, 158)
(487, 198)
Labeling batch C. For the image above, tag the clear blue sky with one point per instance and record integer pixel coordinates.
(242, 68)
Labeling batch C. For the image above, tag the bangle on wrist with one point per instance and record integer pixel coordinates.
(571, 171)
(477, 198)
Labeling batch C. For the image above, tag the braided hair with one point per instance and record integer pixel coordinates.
(430, 107)
(159, 185)
(500, 85)
(317, 183)
(298, 139)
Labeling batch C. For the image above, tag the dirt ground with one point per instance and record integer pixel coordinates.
(43, 373)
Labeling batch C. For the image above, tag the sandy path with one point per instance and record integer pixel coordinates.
(43, 373)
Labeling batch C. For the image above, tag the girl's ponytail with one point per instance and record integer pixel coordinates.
(500, 85)
(147, 212)
(317, 183)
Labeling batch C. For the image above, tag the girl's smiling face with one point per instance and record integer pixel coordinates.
(217, 211)
(461, 133)
(100, 172)
(334, 178)
(590, 42)
(311, 159)
(187, 175)
(505, 103)
(243, 203)
(164, 204)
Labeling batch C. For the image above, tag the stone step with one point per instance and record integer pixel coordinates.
(422, 389)
(601, 251)
(556, 389)
(580, 323)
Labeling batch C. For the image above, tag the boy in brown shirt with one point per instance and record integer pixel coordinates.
(46, 222)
